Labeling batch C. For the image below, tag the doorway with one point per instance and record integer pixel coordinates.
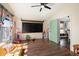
(64, 32)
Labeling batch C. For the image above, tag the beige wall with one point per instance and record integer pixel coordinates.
(32, 35)
(45, 25)
(18, 25)
(71, 10)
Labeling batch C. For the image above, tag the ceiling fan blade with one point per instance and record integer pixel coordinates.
(40, 9)
(47, 7)
(36, 6)
(43, 3)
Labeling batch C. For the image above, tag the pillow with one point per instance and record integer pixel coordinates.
(3, 51)
(2, 44)
(8, 47)
(12, 48)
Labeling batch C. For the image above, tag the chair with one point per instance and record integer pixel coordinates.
(76, 49)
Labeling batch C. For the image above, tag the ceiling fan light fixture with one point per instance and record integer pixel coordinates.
(42, 6)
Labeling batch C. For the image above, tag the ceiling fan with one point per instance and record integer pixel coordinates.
(43, 5)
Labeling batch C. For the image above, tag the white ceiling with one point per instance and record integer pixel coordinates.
(26, 12)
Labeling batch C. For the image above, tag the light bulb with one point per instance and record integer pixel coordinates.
(42, 6)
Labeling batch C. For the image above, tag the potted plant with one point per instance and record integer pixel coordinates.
(28, 38)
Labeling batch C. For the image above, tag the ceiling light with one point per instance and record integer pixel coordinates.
(42, 6)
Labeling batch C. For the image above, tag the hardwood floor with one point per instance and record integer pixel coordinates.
(45, 48)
